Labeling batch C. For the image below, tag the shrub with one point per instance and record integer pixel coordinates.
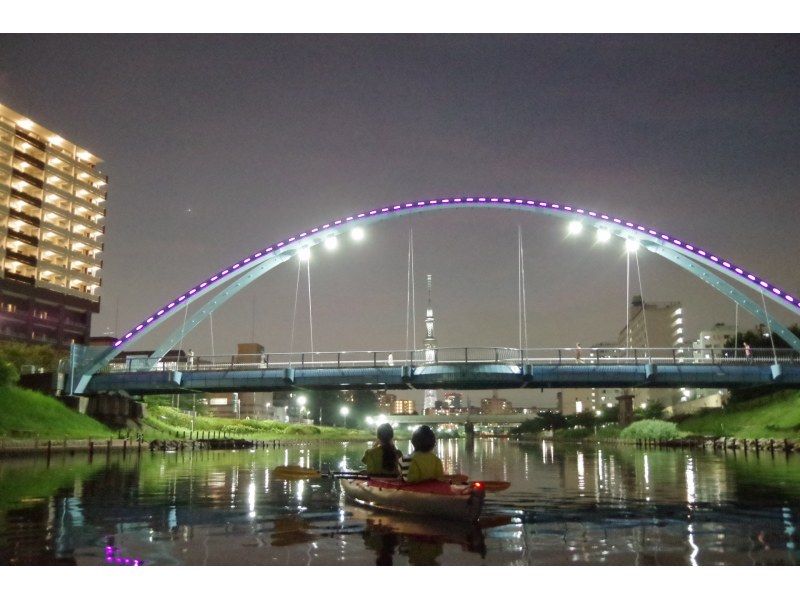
(651, 429)
(8, 374)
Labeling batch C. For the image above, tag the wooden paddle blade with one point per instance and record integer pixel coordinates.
(493, 485)
(295, 472)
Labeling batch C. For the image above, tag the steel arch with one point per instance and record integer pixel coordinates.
(251, 267)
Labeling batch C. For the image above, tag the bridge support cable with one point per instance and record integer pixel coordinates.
(183, 331)
(726, 289)
(627, 301)
(769, 329)
(411, 303)
(644, 303)
(294, 312)
(736, 330)
(211, 328)
(310, 319)
(522, 308)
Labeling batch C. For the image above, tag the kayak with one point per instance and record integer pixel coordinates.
(461, 502)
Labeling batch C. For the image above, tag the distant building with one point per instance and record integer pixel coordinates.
(403, 407)
(385, 402)
(708, 346)
(255, 405)
(658, 326)
(452, 400)
(714, 338)
(495, 405)
(52, 209)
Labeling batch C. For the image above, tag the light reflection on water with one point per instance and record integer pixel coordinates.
(567, 504)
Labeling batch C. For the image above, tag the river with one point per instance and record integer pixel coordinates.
(587, 504)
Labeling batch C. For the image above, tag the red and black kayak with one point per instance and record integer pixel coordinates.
(461, 502)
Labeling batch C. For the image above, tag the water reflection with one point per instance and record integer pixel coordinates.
(566, 504)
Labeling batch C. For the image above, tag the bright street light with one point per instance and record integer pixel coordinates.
(357, 234)
(331, 243)
(575, 227)
(344, 411)
(631, 245)
(304, 254)
(603, 235)
(301, 400)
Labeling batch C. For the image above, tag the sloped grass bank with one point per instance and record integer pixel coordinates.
(171, 421)
(28, 414)
(772, 416)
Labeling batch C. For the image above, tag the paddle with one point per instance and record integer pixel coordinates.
(297, 472)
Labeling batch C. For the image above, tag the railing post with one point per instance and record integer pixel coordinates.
(559, 357)
(339, 360)
(374, 359)
(466, 355)
(712, 355)
(302, 360)
(496, 355)
(436, 356)
(266, 360)
(635, 357)
(674, 360)
(597, 358)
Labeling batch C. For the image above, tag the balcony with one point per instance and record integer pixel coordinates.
(27, 178)
(29, 239)
(32, 220)
(28, 158)
(20, 277)
(21, 257)
(31, 139)
(34, 201)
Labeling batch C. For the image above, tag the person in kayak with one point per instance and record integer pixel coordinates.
(384, 458)
(424, 464)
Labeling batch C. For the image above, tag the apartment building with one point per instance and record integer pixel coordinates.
(52, 210)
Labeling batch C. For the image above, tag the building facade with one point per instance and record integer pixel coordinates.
(659, 326)
(496, 405)
(52, 209)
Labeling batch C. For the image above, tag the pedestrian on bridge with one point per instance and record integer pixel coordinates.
(578, 353)
(748, 353)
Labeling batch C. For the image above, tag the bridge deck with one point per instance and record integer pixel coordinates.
(253, 378)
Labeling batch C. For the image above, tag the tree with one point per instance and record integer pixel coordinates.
(21, 355)
(653, 410)
(8, 374)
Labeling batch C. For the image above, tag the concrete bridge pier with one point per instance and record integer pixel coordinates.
(469, 431)
(625, 409)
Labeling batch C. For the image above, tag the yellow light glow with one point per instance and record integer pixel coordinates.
(25, 123)
(56, 140)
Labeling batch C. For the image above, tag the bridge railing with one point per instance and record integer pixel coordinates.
(590, 356)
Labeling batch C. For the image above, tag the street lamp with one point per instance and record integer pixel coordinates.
(344, 411)
(301, 402)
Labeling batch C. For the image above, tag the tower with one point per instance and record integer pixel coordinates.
(430, 347)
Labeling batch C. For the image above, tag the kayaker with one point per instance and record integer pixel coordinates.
(424, 464)
(384, 458)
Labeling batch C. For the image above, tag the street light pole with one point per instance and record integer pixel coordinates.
(344, 411)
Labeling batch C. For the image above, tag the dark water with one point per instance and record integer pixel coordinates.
(567, 504)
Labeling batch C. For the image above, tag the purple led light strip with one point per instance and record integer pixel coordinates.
(488, 201)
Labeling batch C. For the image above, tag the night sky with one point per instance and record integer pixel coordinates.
(218, 145)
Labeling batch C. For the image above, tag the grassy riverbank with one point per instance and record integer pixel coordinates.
(168, 421)
(772, 416)
(28, 414)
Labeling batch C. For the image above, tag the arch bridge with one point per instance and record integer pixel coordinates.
(90, 368)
